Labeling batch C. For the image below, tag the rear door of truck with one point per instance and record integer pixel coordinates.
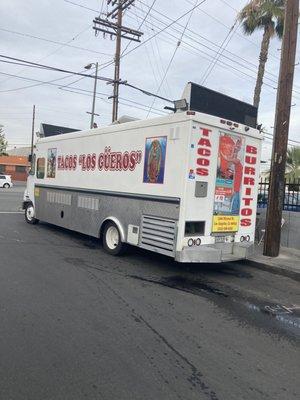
(221, 187)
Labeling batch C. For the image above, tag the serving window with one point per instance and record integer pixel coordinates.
(40, 168)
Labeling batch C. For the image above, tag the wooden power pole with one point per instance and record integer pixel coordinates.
(116, 29)
(117, 64)
(281, 130)
(32, 135)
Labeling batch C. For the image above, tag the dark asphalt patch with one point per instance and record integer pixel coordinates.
(272, 318)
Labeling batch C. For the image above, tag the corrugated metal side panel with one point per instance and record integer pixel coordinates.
(158, 234)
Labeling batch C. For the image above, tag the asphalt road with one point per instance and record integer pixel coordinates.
(76, 323)
(11, 199)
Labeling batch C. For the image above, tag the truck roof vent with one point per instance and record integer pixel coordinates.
(124, 119)
(47, 130)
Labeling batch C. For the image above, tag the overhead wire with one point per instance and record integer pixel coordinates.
(173, 22)
(52, 52)
(107, 101)
(220, 51)
(156, 74)
(229, 66)
(101, 78)
(228, 27)
(248, 62)
(244, 65)
(175, 51)
(80, 5)
(66, 44)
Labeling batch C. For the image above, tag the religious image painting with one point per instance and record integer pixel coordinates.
(51, 163)
(155, 157)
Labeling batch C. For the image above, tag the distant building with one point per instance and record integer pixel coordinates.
(16, 166)
(19, 151)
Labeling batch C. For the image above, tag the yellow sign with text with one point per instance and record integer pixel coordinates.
(225, 223)
(37, 192)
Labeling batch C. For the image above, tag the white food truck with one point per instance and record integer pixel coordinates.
(183, 185)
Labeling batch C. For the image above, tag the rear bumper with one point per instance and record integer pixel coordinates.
(215, 253)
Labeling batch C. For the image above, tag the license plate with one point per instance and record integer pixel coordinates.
(220, 239)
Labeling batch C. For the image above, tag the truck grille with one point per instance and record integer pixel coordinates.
(158, 234)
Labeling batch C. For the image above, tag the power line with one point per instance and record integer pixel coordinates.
(230, 6)
(163, 29)
(108, 102)
(290, 140)
(47, 67)
(93, 68)
(210, 57)
(207, 40)
(101, 78)
(81, 6)
(174, 53)
(174, 22)
(122, 98)
(152, 62)
(219, 52)
(54, 42)
(39, 83)
(141, 24)
(228, 27)
(244, 65)
(53, 52)
(120, 31)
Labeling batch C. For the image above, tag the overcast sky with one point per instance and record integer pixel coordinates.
(69, 42)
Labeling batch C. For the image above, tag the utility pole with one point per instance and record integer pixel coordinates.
(32, 135)
(117, 65)
(89, 66)
(116, 29)
(281, 130)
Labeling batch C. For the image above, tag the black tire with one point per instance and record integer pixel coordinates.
(29, 214)
(111, 239)
(6, 185)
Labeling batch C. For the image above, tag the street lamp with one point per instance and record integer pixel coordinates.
(89, 66)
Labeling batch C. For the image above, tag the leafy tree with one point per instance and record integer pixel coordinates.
(293, 163)
(3, 143)
(266, 15)
(292, 167)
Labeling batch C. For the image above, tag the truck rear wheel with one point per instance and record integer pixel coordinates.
(29, 214)
(112, 242)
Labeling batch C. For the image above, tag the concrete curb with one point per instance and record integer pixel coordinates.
(274, 269)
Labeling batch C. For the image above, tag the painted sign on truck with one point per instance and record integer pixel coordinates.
(183, 185)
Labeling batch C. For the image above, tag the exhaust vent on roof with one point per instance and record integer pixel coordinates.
(47, 130)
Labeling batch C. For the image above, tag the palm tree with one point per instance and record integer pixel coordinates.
(3, 142)
(293, 163)
(292, 166)
(267, 15)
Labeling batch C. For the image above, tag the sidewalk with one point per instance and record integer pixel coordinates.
(287, 263)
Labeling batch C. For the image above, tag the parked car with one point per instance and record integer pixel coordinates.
(5, 181)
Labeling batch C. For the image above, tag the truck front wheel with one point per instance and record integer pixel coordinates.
(112, 243)
(29, 214)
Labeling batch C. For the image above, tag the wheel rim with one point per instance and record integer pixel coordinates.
(30, 213)
(112, 237)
